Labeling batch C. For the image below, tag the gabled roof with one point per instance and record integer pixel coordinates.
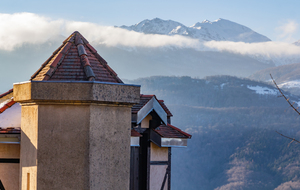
(144, 99)
(163, 105)
(170, 131)
(76, 60)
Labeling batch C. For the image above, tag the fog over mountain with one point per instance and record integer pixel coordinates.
(219, 30)
(175, 49)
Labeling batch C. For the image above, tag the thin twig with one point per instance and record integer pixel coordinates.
(293, 139)
(287, 99)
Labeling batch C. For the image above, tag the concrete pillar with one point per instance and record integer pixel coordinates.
(75, 135)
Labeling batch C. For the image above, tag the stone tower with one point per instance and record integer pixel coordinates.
(76, 121)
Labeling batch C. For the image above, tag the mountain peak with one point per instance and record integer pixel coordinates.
(205, 21)
(218, 30)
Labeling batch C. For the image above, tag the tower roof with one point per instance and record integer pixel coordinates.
(75, 60)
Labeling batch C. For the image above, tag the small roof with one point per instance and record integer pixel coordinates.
(144, 99)
(134, 133)
(6, 100)
(10, 113)
(76, 60)
(170, 131)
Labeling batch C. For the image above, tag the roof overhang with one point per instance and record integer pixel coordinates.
(151, 105)
(9, 138)
(167, 142)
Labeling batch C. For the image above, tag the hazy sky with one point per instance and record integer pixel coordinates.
(34, 22)
(277, 19)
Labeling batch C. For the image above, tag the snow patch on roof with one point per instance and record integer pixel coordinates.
(5, 102)
(263, 90)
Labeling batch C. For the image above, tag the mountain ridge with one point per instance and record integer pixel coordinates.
(218, 30)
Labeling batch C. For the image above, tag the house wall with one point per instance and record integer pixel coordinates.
(9, 172)
(158, 171)
(28, 157)
(157, 174)
(157, 153)
(145, 121)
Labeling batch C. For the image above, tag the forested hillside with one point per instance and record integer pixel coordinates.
(233, 123)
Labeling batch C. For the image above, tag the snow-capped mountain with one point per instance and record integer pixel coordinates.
(219, 30)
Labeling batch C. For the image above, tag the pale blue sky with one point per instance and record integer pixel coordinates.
(263, 16)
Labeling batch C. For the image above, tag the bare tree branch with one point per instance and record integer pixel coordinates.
(292, 105)
(287, 99)
(293, 139)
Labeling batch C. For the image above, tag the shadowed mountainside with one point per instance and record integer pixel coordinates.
(233, 123)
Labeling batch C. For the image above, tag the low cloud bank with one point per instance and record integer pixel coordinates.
(19, 28)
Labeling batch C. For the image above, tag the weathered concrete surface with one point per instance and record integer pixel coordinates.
(109, 147)
(76, 92)
(75, 142)
(9, 172)
(63, 147)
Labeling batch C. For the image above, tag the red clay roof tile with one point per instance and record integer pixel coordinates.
(10, 130)
(143, 100)
(7, 105)
(8, 101)
(76, 60)
(134, 133)
(170, 131)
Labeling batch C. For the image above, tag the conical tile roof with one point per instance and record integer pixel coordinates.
(76, 60)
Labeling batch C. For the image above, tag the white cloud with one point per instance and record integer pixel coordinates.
(17, 29)
(113, 36)
(264, 48)
(286, 31)
(278, 52)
